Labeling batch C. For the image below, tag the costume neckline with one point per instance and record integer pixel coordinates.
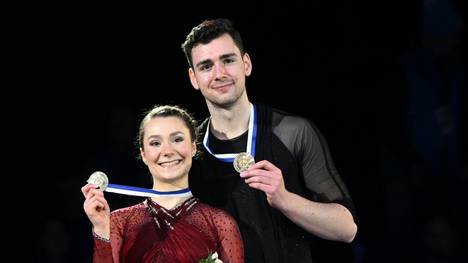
(155, 205)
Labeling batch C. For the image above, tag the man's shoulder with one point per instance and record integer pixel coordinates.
(287, 119)
(203, 124)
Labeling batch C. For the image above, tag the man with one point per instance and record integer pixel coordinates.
(292, 193)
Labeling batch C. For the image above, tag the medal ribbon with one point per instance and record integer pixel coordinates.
(100, 179)
(251, 139)
(137, 191)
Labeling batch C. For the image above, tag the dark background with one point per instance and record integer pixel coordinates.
(384, 81)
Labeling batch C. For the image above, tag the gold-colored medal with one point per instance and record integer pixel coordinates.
(243, 162)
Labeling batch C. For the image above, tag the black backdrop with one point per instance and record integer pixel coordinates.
(86, 72)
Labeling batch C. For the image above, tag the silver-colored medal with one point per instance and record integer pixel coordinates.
(100, 179)
(243, 162)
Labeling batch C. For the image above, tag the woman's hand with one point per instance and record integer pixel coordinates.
(97, 209)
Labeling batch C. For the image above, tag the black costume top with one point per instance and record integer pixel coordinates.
(295, 146)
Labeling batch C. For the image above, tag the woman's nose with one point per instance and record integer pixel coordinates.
(167, 149)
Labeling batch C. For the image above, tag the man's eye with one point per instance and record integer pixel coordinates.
(205, 67)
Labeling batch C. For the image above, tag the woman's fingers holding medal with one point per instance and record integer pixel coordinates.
(95, 205)
(268, 178)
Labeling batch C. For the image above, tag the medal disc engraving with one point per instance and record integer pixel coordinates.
(243, 161)
(100, 179)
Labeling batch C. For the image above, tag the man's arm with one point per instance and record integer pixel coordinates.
(327, 220)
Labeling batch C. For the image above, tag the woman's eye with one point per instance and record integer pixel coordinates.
(154, 143)
(179, 139)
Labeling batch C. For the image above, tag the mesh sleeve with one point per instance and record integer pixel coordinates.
(105, 251)
(232, 249)
(309, 147)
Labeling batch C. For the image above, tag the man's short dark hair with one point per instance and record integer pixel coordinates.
(208, 30)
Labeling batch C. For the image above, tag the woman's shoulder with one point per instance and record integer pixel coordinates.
(124, 219)
(128, 211)
(214, 212)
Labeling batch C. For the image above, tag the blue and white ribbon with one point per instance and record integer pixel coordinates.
(137, 191)
(251, 139)
(100, 180)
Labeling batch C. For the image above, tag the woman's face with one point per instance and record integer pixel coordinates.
(167, 151)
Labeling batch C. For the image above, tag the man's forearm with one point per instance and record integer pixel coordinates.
(330, 221)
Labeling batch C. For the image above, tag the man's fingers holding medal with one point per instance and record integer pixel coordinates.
(265, 177)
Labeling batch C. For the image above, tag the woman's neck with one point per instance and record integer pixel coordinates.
(169, 202)
(168, 199)
(168, 185)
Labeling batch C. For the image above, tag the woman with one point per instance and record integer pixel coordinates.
(166, 228)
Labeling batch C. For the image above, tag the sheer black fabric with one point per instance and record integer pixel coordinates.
(295, 146)
(303, 139)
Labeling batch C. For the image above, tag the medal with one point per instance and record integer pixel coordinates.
(243, 162)
(100, 179)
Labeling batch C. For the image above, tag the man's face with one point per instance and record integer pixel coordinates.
(219, 71)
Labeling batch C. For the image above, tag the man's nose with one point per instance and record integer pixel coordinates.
(220, 70)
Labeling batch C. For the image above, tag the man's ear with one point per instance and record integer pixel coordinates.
(247, 64)
(193, 79)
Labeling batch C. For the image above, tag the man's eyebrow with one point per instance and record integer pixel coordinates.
(207, 61)
(203, 62)
(227, 55)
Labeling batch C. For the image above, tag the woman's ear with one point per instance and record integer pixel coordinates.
(194, 149)
(142, 155)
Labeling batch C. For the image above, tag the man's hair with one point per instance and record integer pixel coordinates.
(208, 30)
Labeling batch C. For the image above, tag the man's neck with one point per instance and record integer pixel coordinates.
(228, 123)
